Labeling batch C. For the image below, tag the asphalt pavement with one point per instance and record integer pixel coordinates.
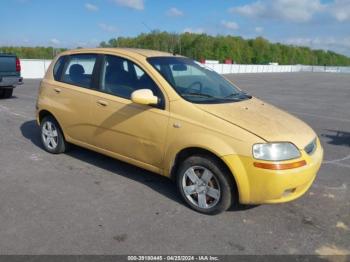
(86, 203)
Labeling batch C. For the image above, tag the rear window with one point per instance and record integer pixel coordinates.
(79, 70)
(7, 63)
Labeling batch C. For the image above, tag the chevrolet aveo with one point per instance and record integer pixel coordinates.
(171, 115)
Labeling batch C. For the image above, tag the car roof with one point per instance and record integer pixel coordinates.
(126, 51)
(7, 54)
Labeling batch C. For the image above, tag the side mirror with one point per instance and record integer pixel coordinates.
(144, 97)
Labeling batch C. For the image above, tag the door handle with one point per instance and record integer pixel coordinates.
(57, 90)
(102, 102)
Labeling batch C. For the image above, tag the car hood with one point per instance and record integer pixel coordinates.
(264, 120)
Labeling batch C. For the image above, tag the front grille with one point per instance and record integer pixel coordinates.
(311, 147)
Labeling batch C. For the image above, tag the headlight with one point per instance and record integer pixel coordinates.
(275, 151)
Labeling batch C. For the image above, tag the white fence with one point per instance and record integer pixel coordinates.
(35, 68)
(239, 69)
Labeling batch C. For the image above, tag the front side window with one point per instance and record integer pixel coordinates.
(121, 77)
(79, 70)
(196, 83)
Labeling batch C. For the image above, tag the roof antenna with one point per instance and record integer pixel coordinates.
(173, 38)
(149, 29)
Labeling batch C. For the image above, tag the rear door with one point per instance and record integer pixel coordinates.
(70, 96)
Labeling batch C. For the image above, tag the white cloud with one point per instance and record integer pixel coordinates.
(230, 25)
(298, 10)
(259, 29)
(174, 12)
(193, 30)
(340, 10)
(336, 44)
(55, 41)
(85, 44)
(81, 44)
(254, 9)
(133, 4)
(289, 10)
(107, 28)
(91, 7)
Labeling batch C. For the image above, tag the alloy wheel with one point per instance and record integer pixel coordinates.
(201, 187)
(50, 135)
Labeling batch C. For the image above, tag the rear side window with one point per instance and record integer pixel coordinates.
(79, 70)
(57, 70)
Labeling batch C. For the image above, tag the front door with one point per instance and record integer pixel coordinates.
(130, 130)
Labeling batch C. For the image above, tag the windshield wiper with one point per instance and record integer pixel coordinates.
(240, 95)
(199, 94)
(233, 95)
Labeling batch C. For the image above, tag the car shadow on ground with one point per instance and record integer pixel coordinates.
(338, 138)
(9, 98)
(162, 185)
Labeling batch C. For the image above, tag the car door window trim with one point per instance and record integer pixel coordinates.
(99, 71)
(66, 64)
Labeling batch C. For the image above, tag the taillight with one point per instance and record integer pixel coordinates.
(18, 65)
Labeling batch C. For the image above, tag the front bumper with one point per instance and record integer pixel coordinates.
(258, 186)
(10, 81)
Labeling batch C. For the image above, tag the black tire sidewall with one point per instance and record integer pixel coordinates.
(61, 144)
(225, 187)
(8, 93)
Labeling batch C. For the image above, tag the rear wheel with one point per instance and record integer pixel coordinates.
(203, 185)
(6, 93)
(51, 136)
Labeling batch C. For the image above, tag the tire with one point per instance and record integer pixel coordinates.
(6, 93)
(51, 136)
(204, 185)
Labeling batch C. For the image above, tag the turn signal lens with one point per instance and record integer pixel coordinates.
(280, 166)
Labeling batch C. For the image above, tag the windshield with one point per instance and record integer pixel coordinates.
(196, 83)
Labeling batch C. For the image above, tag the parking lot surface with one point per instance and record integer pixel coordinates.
(86, 203)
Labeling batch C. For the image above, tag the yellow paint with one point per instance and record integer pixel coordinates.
(332, 250)
(151, 138)
(341, 225)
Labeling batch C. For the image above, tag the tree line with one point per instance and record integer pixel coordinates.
(38, 52)
(239, 50)
(203, 46)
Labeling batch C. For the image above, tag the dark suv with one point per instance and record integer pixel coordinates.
(10, 74)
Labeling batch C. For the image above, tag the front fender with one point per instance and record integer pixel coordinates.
(217, 146)
(207, 142)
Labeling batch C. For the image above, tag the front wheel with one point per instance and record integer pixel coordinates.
(203, 185)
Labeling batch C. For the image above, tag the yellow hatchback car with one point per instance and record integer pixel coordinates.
(175, 117)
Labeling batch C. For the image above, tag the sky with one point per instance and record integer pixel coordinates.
(318, 24)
